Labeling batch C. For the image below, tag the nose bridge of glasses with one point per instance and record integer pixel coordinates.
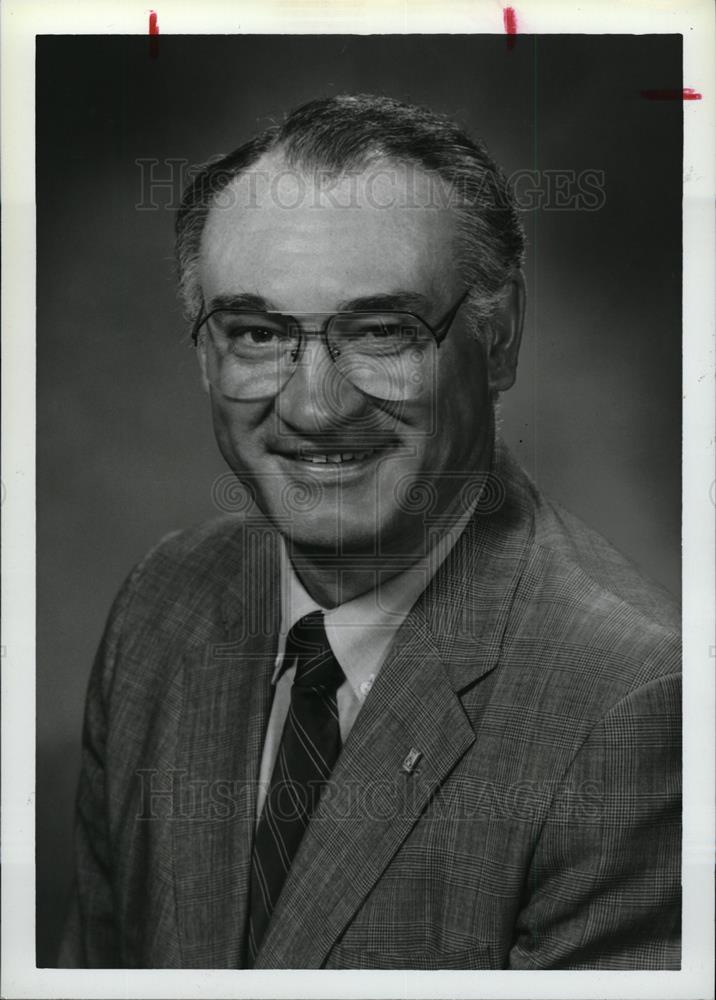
(313, 332)
(314, 352)
(307, 324)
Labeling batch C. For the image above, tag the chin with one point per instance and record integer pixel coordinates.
(327, 537)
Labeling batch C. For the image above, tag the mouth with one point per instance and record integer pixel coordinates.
(334, 460)
(336, 457)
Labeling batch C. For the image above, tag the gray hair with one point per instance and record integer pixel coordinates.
(352, 132)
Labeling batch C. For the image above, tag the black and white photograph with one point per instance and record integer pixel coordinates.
(362, 372)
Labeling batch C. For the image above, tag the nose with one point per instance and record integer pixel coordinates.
(317, 398)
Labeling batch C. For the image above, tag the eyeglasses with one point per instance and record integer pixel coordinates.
(385, 353)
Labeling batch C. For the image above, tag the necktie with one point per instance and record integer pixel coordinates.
(310, 744)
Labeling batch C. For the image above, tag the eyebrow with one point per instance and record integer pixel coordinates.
(402, 300)
(399, 300)
(240, 300)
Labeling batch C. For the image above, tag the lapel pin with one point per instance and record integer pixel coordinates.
(411, 760)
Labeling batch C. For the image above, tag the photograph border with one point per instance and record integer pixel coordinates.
(21, 22)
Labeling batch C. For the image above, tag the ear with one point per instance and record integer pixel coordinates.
(203, 361)
(506, 335)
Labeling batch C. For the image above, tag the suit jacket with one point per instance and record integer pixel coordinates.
(538, 680)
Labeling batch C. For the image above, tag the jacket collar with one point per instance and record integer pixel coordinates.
(464, 612)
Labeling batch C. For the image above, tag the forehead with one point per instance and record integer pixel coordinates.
(311, 240)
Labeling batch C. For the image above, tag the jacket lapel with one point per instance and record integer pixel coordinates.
(450, 640)
(370, 804)
(227, 696)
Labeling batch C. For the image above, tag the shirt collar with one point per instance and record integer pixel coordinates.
(361, 630)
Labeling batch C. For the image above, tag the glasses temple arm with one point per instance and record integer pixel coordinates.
(442, 329)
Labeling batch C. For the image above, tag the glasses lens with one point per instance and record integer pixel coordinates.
(387, 355)
(253, 352)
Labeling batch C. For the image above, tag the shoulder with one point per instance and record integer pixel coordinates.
(204, 557)
(602, 595)
(572, 545)
(186, 594)
(577, 640)
(182, 589)
(582, 611)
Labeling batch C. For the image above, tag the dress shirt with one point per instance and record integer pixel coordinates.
(360, 632)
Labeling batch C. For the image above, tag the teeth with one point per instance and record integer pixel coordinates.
(336, 458)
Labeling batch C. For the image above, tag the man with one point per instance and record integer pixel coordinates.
(400, 711)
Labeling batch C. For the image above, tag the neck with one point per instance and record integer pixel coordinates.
(331, 581)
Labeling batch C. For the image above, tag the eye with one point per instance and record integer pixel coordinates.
(383, 330)
(374, 328)
(395, 331)
(256, 335)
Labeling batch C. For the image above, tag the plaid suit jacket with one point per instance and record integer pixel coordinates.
(537, 677)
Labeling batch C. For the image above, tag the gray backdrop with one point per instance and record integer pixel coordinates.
(125, 451)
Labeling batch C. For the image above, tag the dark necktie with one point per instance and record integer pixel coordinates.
(309, 748)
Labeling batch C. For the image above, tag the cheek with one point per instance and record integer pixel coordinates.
(463, 402)
(237, 428)
(462, 407)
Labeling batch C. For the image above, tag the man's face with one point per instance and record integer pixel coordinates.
(368, 243)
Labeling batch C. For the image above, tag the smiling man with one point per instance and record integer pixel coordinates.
(402, 711)
(325, 340)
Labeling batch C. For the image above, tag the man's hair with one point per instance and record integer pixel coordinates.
(334, 135)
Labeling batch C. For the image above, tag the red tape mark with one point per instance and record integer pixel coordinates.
(509, 19)
(153, 34)
(687, 94)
